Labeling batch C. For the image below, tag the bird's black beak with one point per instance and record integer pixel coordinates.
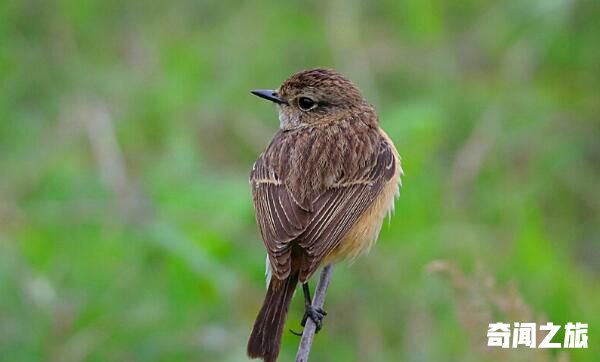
(270, 95)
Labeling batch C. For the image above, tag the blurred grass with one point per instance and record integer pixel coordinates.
(127, 134)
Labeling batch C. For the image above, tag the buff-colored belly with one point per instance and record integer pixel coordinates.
(365, 232)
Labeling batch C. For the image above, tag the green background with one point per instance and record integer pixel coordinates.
(127, 133)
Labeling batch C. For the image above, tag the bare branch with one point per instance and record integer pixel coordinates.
(309, 329)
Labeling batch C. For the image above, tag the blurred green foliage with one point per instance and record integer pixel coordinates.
(127, 133)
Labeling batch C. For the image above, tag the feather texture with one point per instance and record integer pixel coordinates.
(312, 207)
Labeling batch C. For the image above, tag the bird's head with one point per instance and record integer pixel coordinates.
(314, 96)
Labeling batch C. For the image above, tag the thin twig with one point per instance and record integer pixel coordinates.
(310, 327)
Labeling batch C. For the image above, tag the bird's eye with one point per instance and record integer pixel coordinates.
(306, 103)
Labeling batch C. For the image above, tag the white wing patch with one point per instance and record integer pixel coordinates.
(268, 270)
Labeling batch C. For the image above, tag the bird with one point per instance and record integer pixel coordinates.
(321, 191)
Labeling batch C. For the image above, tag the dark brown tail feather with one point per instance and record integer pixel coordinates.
(265, 339)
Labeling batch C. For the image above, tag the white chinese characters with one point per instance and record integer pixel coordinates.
(499, 335)
(576, 335)
(525, 334)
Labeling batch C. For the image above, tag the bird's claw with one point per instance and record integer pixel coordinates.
(299, 334)
(315, 314)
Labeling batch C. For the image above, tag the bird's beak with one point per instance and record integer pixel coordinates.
(270, 95)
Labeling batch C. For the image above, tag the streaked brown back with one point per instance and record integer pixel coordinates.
(312, 184)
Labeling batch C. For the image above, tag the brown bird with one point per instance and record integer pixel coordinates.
(321, 191)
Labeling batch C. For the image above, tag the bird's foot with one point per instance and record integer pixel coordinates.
(315, 314)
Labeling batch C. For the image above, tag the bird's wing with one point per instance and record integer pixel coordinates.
(340, 207)
(279, 216)
(317, 228)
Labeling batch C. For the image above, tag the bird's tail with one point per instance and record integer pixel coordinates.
(265, 339)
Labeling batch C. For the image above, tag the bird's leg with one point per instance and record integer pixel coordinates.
(316, 314)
